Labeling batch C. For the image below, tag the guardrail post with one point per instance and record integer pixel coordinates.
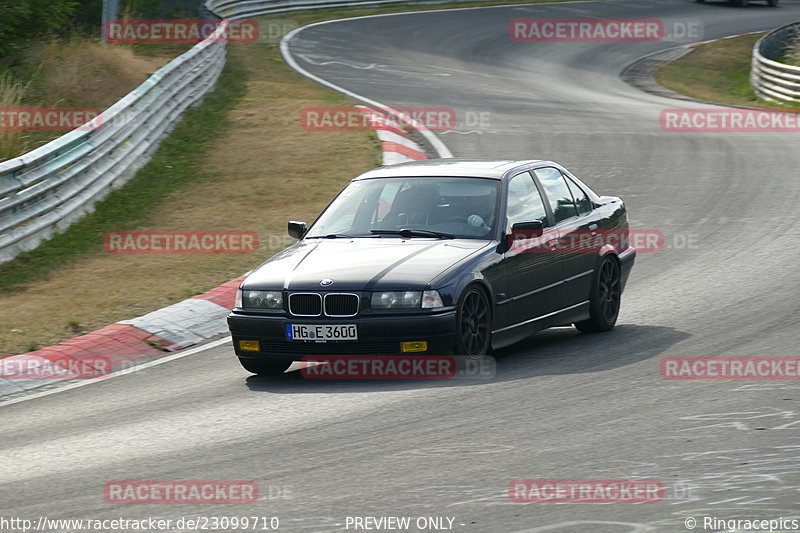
(110, 10)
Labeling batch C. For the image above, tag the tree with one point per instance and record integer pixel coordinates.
(21, 21)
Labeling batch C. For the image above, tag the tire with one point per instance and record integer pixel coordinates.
(473, 323)
(739, 3)
(700, 1)
(772, 3)
(605, 299)
(271, 367)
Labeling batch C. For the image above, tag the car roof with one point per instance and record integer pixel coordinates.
(467, 168)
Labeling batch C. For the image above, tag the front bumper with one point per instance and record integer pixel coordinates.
(377, 335)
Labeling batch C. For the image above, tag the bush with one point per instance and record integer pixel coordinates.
(793, 54)
(159, 9)
(11, 93)
(22, 21)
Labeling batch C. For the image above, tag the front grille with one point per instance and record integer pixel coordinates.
(305, 304)
(341, 304)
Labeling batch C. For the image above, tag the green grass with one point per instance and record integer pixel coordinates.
(716, 72)
(11, 93)
(175, 164)
(793, 54)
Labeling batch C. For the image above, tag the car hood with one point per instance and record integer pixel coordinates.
(361, 264)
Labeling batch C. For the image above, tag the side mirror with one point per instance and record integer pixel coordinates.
(297, 229)
(535, 228)
(524, 231)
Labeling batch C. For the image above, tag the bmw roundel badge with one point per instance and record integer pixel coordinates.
(325, 282)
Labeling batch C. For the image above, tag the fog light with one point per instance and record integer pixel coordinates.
(415, 346)
(249, 346)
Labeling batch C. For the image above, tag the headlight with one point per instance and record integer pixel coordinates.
(396, 300)
(260, 299)
(431, 300)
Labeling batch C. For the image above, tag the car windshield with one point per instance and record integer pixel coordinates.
(455, 207)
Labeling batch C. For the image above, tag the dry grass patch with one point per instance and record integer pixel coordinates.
(78, 72)
(262, 170)
(255, 171)
(83, 72)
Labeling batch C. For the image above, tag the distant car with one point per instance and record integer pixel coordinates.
(425, 258)
(742, 3)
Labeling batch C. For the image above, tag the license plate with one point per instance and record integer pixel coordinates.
(321, 332)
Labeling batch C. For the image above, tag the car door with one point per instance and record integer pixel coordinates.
(572, 211)
(533, 273)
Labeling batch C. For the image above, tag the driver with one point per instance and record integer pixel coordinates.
(476, 221)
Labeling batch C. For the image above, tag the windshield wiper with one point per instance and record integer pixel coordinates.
(333, 236)
(408, 233)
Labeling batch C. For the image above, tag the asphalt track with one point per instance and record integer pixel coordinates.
(562, 405)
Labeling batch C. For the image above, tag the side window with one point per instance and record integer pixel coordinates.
(582, 201)
(524, 201)
(557, 192)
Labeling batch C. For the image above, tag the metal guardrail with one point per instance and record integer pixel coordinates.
(43, 191)
(769, 78)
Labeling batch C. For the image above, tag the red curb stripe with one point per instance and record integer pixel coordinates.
(121, 343)
(124, 344)
(389, 146)
(224, 295)
(385, 123)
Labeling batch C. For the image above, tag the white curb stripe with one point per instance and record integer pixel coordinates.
(83, 383)
(185, 323)
(395, 138)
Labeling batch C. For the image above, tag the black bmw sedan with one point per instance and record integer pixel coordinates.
(438, 257)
